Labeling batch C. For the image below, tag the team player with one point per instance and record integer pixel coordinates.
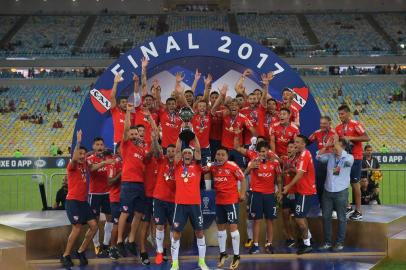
(164, 200)
(271, 115)
(99, 192)
(201, 123)
(305, 191)
(114, 179)
(132, 194)
(288, 201)
(353, 132)
(118, 107)
(265, 171)
(77, 208)
(324, 138)
(187, 200)
(226, 175)
(232, 120)
(282, 132)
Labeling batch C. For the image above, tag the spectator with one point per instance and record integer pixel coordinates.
(389, 99)
(58, 108)
(367, 194)
(18, 154)
(335, 193)
(69, 150)
(384, 149)
(53, 150)
(370, 165)
(61, 195)
(48, 106)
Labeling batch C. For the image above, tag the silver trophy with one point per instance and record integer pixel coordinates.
(186, 133)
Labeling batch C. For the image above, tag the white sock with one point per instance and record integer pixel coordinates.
(306, 241)
(108, 227)
(250, 225)
(235, 240)
(96, 241)
(201, 245)
(222, 238)
(309, 235)
(175, 249)
(159, 238)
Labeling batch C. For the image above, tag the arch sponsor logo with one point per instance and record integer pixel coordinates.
(40, 163)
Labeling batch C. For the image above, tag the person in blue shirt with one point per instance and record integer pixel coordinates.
(335, 193)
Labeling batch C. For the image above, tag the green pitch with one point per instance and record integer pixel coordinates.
(21, 193)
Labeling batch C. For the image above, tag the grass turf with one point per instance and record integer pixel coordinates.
(21, 192)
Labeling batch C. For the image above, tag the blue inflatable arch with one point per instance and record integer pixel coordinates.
(210, 51)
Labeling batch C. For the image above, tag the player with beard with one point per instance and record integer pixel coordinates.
(97, 162)
(132, 197)
(354, 132)
(288, 201)
(232, 120)
(287, 100)
(324, 137)
(164, 200)
(187, 200)
(264, 171)
(77, 208)
(226, 175)
(282, 132)
(118, 107)
(305, 196)
(114, 179)
(201, 123)
(216, 127)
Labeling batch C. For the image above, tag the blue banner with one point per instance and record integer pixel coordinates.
(224, 55)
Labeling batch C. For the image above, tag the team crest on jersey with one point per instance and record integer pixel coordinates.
(99, 100)
(157, 219)
(253, 215)
(176, 224)
(115, 220)
(75, 218)
(125, 207)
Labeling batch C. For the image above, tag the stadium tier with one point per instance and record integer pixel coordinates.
(31, 138)
(384, 121)
(350, 33)
(339, 34)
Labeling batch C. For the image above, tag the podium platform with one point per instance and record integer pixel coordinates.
(29, 238)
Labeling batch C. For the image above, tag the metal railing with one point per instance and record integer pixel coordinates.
(20, 192)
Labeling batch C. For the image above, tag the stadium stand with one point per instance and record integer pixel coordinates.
(349, 33)
(258, 27)
(385, 122)
(182, 22)
(394, 25)
(34, 139)
(42, 36)
(6, 23)
(119, 30)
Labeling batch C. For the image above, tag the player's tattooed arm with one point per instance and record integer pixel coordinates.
(207, 83)
(220, 99)
(178, 149)
(237, 144)
(127, 121)
(76, 151)
(195, 81)
(117, 80)
(266, 78)
(198, 152)
(144, 65)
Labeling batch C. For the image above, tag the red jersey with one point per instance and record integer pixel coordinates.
(98, 179)
(139, 118)
(322, 137)
(230, 124)
(216, 127)
(165, 183)
(263, 178)
(353, 129)
(77, 188)
(133, 162)
(256, 116)
(306, 184)
(118, 117)
(201, 127)
(112, 171)
(150, 174)
(269, 120)
(226, 179)
(288, 165)
(283, 134)
(187, 183)
(170, 124)
(294, 112)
